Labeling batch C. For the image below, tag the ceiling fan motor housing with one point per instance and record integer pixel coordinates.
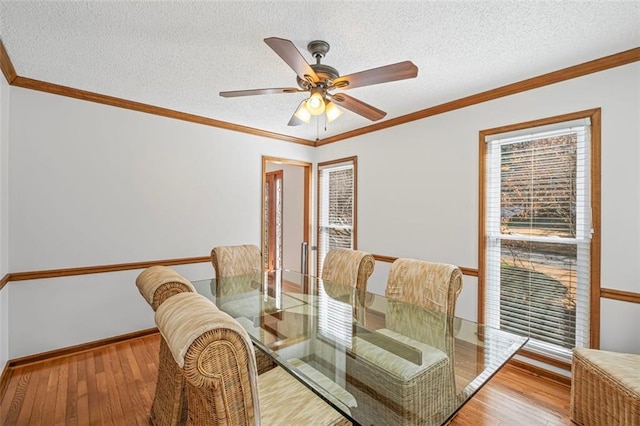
(326, 73)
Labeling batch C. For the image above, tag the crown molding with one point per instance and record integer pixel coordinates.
(601, 64)
(56, 89)
(6, 66)
(28, 83)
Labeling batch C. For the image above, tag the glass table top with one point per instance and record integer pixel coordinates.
(375, 359)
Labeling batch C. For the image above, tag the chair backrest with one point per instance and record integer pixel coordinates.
(216, 357)
(236, 260)
(157, 283)
(348, 267)
(435, 286)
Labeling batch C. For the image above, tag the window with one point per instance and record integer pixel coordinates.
(539, 221)
(336, 206)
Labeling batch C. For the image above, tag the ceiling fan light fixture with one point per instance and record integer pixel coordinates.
(315, 103)
(332, 111)
(318, 79)
(303, 113)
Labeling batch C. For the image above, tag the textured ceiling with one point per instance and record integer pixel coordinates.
(181, 54)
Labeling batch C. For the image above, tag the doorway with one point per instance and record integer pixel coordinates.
(286, 218)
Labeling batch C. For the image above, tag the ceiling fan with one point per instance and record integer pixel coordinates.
(320, 80)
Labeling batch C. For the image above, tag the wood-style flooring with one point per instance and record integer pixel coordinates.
(115, 384)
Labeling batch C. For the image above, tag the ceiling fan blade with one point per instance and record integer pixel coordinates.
(251, 92)
(399, 71)
(292, 56)
(354, 105)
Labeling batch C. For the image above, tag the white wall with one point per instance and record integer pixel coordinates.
(56, 313)
(4, 220)
(418, 186)
(92, 184)
(95, 185)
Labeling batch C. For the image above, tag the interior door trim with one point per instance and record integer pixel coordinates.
(306, 220)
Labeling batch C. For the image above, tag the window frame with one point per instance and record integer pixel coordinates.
(594, 171)
(354, 234)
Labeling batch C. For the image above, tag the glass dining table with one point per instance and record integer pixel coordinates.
(376, 360)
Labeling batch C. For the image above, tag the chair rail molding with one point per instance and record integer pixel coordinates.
(86, 270)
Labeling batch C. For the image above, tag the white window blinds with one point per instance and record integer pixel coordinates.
(538, 230)
(335, 318)
(336, 207)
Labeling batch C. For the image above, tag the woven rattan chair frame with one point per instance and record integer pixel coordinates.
(169, 406)
(212, 363)
(395, 401)
(599, 397)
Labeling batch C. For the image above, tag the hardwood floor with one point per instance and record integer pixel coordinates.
(517, 397)
(115, 384)
(112, 385)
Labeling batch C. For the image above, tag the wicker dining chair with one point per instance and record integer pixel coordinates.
(348, 267)
(435, 286)
(605, 388)
(236, 260)
(223, 387)
(240, 260)
(157, 284)
(414, 393)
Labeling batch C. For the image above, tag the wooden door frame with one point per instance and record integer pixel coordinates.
(306, 221)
